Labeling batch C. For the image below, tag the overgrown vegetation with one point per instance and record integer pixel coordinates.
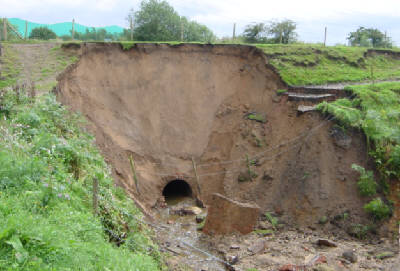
(304, 64)
(47, 165)
(376, 111)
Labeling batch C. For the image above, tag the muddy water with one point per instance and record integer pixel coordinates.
(180, 233)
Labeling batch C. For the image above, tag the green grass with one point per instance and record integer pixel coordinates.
(305, 64)
(47, 164)
(375, 110)
(10, 67)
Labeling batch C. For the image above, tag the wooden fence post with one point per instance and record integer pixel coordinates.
(234, 32)
(26, 30)
(32, 92)
(95, 196)
(5, 29)
(181, 29)
(134, 173)
(131, 26)
(73, 29)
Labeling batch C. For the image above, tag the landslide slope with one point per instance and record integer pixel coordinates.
(163, 105)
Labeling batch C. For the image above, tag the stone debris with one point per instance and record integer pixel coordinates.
(350, 256)
(326, 243)
(258, 247)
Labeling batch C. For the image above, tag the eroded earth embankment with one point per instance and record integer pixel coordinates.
(163, 105)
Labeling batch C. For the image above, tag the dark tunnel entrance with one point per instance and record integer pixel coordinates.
(177, 190)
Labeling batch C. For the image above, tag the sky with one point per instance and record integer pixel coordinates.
(312, 16)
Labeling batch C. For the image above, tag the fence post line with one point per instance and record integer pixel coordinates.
(326, 32)
(5, 28)
(95, 196)
(181, 29)
(132, 163)
(234, 32)
(26, 30)
(131, 26)
(73, 29)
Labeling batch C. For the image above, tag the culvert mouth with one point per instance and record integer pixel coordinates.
(176, 191)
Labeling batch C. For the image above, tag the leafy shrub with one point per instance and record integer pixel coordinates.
(42, 33)
(378, 209)
(366, 184)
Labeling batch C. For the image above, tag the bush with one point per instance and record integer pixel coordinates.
(378, 209)
(366, 184)
(42, 33)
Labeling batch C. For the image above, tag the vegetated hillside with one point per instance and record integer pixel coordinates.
(61, 28)
(376, 111)
(314, 64)
(47, 166)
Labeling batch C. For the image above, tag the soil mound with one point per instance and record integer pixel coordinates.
(163, 105)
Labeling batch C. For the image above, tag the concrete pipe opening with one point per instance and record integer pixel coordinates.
(177, 190)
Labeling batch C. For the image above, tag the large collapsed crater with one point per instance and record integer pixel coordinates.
(217, 105)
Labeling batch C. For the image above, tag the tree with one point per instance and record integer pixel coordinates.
(193, 31)
(255, 33)
(369, 37)
(273, 32)
(283, 31)
(42, 33)
(157, 20)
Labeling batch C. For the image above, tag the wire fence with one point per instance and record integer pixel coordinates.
(260, 155)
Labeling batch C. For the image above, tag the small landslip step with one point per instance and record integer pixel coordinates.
(292, 96)
(306, 108)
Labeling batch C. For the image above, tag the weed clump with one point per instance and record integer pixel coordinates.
(378, 209)
(366, 184)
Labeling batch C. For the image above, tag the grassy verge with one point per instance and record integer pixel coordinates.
(315, 64)
(47, 164)
(10, 67)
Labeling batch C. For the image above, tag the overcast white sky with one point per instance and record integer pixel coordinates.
(340, 16)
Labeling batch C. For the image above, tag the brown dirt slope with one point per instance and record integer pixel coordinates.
(165, 104)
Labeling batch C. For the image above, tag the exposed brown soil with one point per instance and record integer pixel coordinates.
(165, 104)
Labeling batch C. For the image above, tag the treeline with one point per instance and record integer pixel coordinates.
(284, 32)
(154, 21)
